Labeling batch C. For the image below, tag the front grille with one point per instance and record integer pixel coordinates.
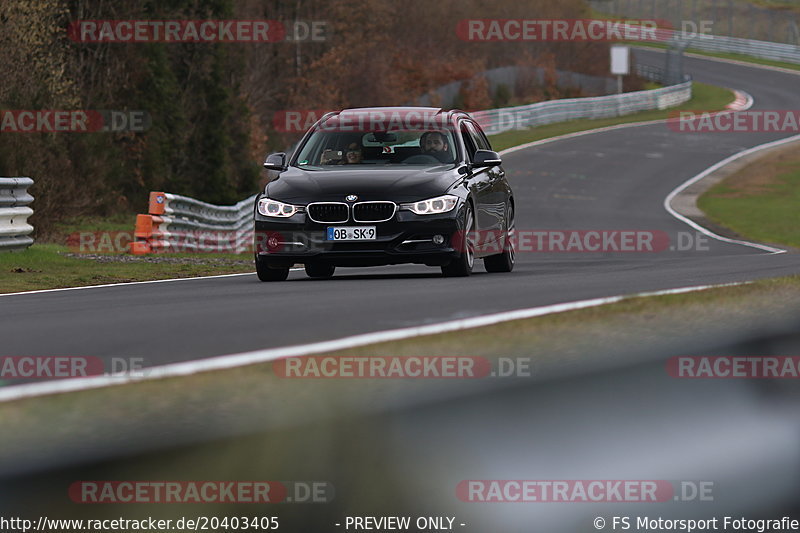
(328, 212)
(373, 211)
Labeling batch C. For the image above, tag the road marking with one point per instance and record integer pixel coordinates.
(223, 362)
(133, 283)
(668, 200)
(123, 284)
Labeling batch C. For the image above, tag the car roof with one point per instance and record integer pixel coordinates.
(345, 113)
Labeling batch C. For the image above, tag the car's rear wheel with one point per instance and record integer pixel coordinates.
(504, 262)
(319, 270)
(462, 265)
(266, 273)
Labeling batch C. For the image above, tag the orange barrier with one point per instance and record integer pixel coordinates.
(147, 225)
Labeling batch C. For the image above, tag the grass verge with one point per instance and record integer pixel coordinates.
(51, 266)
(760, 202)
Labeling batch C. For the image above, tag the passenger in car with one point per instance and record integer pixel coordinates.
(353, 155)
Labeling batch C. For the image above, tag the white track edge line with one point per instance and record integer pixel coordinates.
(105, 285)
(39, 291)
(222, 362)
(671, 196)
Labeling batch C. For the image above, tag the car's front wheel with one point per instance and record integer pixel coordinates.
(504, 262)
(266, 273)
(462, 265)
(320, 270)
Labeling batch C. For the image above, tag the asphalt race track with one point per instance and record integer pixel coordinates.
(614, 180)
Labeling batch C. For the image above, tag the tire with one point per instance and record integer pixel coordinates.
(504, 262)
(320, 270)
(462, 265)
(270, 274)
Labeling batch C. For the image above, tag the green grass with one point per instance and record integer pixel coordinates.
(781, 5)
(770, 213)
(43, 266)
(117, 222)
(704, 97)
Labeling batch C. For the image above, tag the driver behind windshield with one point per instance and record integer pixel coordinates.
(434, 143)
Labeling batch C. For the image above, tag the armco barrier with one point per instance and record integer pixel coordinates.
(528, 116)
(708, 42)
(181, 224)
(748, 47)
(14, 212)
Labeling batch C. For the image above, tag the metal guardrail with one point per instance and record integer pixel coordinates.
(651, 73)
(14, 212)
(495, 121)
(178, 223)
(788, 53)
(745, 19)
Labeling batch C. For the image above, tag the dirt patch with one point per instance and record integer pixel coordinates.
(23, 270)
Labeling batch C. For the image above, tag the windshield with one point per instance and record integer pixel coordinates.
(361, 149)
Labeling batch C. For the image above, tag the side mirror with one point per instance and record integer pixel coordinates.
(276, 162)
(486, 158)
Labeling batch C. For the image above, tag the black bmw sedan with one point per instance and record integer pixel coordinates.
(383, 186)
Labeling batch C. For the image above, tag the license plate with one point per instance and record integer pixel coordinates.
(352, 233)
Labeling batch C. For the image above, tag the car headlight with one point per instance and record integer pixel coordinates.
(433, 206)
(274, 208)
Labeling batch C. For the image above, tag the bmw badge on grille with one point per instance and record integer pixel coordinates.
(351, 197)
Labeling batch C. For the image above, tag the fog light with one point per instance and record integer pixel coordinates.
(272, 243)
(438, 239)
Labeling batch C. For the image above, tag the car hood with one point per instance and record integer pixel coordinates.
(379, 183)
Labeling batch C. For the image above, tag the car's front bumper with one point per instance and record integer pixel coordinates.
(407, 238)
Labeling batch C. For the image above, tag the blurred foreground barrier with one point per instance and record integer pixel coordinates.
(14, 212)
(181, 224)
